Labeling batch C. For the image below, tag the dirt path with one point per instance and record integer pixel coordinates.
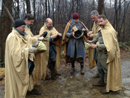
(78, 86)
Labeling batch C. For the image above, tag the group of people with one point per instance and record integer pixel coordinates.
(27, 56)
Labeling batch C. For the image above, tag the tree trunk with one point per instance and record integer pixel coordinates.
(100, 6)
(46, 8)
(34, 8)
(28, 6)
(17, 13)
(5, 26)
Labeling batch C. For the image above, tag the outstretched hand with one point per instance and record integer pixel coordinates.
(93, 46)
(54, 36)
(41, 38)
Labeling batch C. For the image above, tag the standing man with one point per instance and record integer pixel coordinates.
(94, 16)
(52, 55)
(29, 19)
(108, 54)
(19, 62)
(92, 52)
(74, 48)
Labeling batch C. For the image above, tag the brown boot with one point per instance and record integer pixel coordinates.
(82, 71)
(72, 71)
(99, 84)
(53, 76)
(104, 92)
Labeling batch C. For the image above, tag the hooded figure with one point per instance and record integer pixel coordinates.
(75, 34)
(52, 53)
(19, 61)
(108, 54)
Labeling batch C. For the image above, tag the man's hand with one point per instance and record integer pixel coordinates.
(60, 34)
(41, 38)
(54, 36)
(83, 29)
(89, 34)
(93, 46)
(32, 50)
(73, 34)
(89, 41)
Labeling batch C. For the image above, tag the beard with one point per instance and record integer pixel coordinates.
(102, 26)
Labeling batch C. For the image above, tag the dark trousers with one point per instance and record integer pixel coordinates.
(73, 61)
(102, 70)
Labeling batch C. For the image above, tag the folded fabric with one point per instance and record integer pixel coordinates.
(41, 47)
(87, 45)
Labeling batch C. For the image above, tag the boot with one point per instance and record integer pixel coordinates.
(82, 71)
(34, 92)
(104, 92)
(72, 71)
(56, 73)
(99, 84)
(96, 76)
(53, 77)
(52, 69)
(48, 77)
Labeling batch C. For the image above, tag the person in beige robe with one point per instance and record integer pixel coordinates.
(108, 53)
(92, 35)
(94, 16)
(43, 58)
(29, 20)
(18, 61)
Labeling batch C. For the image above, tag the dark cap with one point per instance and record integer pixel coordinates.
(19, 22)
(75, 16)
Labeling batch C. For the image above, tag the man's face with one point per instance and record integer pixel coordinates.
(29, 22)
(94, 18)
(49, 24)
(102, 22)
(21, 28)
(76, 20)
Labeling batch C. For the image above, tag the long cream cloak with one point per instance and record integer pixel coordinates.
(41, 59)
(114, 79)
(16, 65)
(33, 41)
(95, 29)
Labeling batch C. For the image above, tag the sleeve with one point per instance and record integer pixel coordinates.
(17, 52)
(84, 28)
(69, 32)
(94, 35)
(101, 46)
(33, 40)
(96, 39)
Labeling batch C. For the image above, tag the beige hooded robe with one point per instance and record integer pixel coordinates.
(16, 65)
(95, 29)
(42, 59)
(114, 79)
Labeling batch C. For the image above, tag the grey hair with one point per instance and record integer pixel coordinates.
(47, 20)
(94, 12)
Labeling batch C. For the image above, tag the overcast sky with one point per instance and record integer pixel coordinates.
(0, 4)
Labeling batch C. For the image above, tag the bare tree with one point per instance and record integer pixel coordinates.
(5, 26)
(100, 6)
(28, 6)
